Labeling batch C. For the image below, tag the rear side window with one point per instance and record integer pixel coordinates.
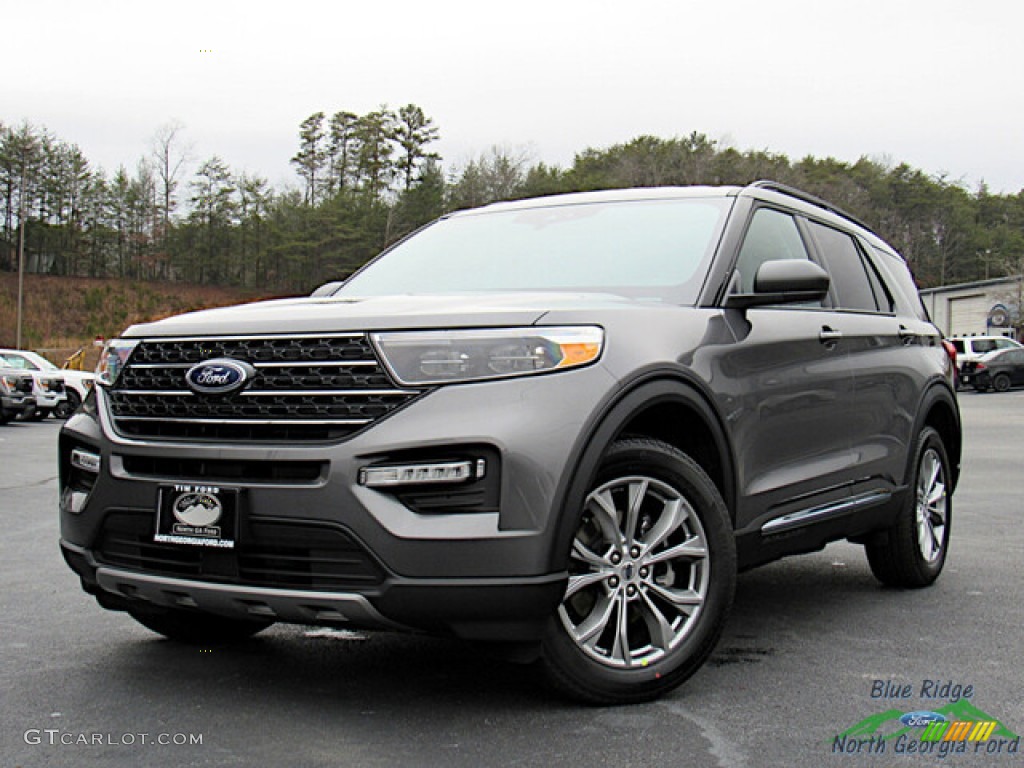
(901, 284)
(771, 236)
(846, 266)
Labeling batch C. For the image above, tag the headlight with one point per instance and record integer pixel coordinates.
(112, 359)
(445, 357)
(8, 384)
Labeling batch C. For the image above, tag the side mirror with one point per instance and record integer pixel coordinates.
(327, 289)
(783, 281)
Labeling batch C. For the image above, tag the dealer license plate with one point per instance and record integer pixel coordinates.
(197, 515)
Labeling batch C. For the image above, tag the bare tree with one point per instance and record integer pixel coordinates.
(169, 157)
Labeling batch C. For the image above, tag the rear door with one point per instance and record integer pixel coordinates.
(883, 347)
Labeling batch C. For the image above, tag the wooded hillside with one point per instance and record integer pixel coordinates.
(363, 181)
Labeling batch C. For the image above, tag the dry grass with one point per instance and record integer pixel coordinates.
(63, 314)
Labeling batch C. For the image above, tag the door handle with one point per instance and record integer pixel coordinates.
(908, 336)
(829, 336)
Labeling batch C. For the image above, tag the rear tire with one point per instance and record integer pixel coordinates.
(1001, 382)
(196, 628)
(652, 571)
(912, 552)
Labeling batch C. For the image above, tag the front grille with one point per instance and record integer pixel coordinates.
(274, 553)
(322, 387)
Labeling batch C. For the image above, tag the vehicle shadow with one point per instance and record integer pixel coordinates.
(775, 606)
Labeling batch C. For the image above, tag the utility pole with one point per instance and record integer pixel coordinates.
(21, 247)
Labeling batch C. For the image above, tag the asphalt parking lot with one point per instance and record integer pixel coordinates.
(815, 649)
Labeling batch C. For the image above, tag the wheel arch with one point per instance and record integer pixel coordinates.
(665, 406)
(940, 412)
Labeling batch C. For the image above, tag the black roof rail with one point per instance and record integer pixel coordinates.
(799, 194)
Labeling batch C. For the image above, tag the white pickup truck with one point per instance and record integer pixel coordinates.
(76, 384)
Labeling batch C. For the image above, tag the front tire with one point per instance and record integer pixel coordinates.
(652, 571)
(912, 552)
(196, 628)
(69, 405)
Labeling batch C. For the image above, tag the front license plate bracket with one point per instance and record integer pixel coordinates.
(197, 515)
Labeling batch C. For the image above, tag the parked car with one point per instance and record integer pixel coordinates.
(971, 348)
(77, 384)
(558, 425)
(999, 370)
(16, 397)
(47, 389)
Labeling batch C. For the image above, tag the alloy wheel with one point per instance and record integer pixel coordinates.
(931, 506)
(639, 573)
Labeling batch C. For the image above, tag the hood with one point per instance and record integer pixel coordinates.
(333, 315)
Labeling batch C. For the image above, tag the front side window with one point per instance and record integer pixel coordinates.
(648, 249)
(771, 236)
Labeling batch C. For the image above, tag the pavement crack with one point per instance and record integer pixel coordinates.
(36, 484)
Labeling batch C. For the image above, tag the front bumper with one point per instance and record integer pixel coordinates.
(487, 573)
(13, 405)
(485, 610)
(49, 400)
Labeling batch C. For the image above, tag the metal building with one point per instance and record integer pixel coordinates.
(984, 307)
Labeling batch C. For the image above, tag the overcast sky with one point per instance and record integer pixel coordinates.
(933, 83)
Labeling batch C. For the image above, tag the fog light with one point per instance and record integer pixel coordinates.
(422, 474)
(73, 502)
(85, 460)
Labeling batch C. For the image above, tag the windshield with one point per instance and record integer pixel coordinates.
(655, 249)
(27, 361)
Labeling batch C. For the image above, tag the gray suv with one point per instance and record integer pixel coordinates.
(559, 426)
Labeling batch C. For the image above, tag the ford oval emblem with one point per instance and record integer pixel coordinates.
(922, 718)
(218, 377)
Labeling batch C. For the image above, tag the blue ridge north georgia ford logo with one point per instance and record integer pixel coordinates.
(218, 377)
